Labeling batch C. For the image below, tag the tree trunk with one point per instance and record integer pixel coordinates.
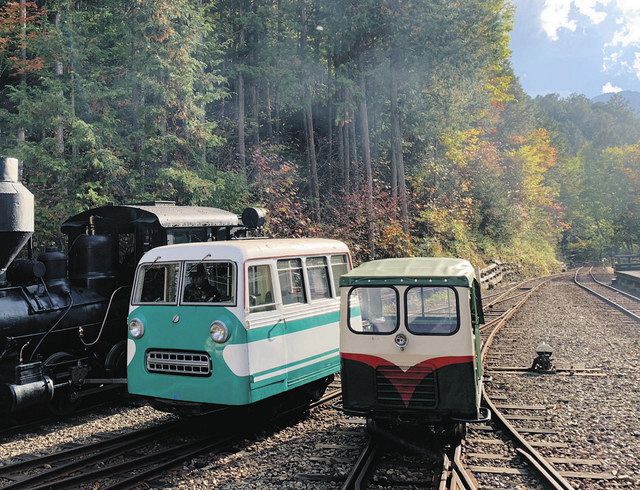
(74, 145)
(341, 152)
(240, 97)
(255, 108)
(59, 73)
(397, 148)
(23, 56)
(313, 165)
(308, 115)
(394, 173)
(71, 6)
(269, 122)
(355, 167)
(347, 157)
(366, 156)
(241, 144)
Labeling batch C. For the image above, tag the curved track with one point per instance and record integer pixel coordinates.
(460, 477)
(621, 300)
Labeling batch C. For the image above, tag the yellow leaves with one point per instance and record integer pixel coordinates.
(499, 89)
(536, 152)
(461, 146)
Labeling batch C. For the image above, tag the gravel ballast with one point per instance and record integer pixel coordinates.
(596, 416)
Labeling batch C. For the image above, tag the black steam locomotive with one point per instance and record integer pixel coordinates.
(63, 316)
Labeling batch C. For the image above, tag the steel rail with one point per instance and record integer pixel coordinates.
(544, 468)
(160, 461)
(502, 294)
(618, 306)
(105, 449)
(461, 478)
(609, 286)
(360, 470)
(143, 476)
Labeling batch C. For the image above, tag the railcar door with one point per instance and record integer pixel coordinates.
(265, 328)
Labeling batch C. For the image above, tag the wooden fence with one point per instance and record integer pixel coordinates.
(494, 273)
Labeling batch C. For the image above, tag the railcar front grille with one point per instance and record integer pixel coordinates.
(415, 387)
(179, 362)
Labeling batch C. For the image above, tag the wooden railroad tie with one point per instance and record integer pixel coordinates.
(503, 470)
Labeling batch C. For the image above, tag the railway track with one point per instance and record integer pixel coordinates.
(621, 300)
(135, 457)
(456, 474)
(376, 466)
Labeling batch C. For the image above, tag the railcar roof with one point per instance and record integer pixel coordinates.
(435, 270)
(168, 215)
(243, 249)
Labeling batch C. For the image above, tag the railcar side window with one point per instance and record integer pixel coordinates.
(373, 310)
(432, 310)
(339, 267)
(261, 296)
(291, 281)
(157, 283)
(318, 274)
(209, 282)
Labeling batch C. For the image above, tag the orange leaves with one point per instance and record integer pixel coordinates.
(20, 25)
(536, 147)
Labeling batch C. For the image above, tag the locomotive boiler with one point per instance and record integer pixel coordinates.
(63, 325)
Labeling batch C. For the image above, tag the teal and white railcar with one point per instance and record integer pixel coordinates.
(233, 323)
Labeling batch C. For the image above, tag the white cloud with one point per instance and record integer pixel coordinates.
(608, 88)
(628, 18)
(625, 41)
(588, 9)
(621, 53)
(556, 15)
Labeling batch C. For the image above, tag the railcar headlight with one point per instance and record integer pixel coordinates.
(219, 332)
(136, 328)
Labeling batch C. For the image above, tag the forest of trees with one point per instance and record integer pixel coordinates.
(395, 125)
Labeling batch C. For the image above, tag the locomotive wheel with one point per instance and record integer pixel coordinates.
(116, 362)
(64, 401)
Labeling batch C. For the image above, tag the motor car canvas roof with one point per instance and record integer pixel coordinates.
(422, 270)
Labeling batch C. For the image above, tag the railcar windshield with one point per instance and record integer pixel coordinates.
(157, 284)
(209, 282)
(373, 310)
(431, 310)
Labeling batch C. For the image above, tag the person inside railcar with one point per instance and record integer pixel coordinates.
(198, 288)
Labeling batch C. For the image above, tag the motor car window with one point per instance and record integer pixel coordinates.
(261, 296)
(209, 283)
(373, 310)
(157, 283)
(431, 310)
(318, 274)
(339, 267)
(291, 281)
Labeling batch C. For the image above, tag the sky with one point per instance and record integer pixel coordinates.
(576, 46)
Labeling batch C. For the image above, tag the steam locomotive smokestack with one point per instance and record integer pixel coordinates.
(16, 213)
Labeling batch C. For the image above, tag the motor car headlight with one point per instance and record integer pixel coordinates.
(219, 332)
(136, 328)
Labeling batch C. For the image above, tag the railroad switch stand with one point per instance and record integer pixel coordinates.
(543, 362)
